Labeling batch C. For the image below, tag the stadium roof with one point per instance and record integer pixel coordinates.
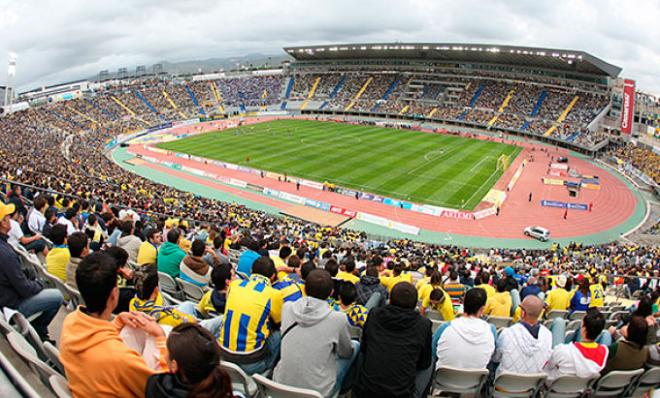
(546, 58)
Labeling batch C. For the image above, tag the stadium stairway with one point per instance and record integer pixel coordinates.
(335, 91)
(173, 104)
(310, 95)
(387, 94)
(126, 108)
(505, 103)
(476, 95)
(147, 103)
(539, 103)
(359, 94)
(216, 94)
(102, 110)
(287, 93)
(194, 100)
(562, 116)
(77, 112)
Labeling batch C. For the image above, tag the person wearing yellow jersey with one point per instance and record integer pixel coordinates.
(428, 271)
(482, 282)
(213, 302)
(438, 300)
(347, 271)
(148, 251)
(597, 294)
(435, 282)
(559, 298)
(281, 259)
(58, 257)
(500, 304)
(253, 308)
(149, 301)
(398, 275)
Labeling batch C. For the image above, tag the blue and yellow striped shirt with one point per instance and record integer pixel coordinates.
(289, 289)
(251, 305)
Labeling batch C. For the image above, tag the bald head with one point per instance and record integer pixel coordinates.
(533, 306)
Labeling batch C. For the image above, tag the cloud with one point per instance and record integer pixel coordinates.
(69, 39)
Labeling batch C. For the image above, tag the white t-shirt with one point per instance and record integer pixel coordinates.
(36, 221)
(70, 229)
(15, 233)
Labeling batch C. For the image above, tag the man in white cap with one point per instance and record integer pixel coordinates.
(558, 298)
(16, 291)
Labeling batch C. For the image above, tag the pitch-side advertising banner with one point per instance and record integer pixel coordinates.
(628, 106)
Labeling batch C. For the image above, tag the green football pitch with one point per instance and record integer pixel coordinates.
(441, 170)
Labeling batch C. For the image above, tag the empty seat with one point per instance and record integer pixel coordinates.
(28, 353)
(556, 314)
(271, 389)
(649, 380)
(167, 284)
(190, 290)
(60, 386)
(615, 383)
(577, 315)
(500, 322)
(432, 314)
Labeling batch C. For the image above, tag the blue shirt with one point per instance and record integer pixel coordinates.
(580, 301)
(14, 286)
(246, 260)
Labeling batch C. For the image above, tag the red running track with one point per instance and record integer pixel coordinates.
(613, 204)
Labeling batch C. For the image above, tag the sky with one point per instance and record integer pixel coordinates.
(64, 40)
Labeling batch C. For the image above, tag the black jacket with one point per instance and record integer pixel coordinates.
(396, 343)
(14, 286)
(165, 385)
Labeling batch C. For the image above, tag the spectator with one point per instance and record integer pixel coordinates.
(36, 218)
(69, 220)
(597, 294)
(288, 286)
(193, 268)
(467, 342)
(253, 310)
(170, 254)
(59, 256)
(19, 293)
(500, 304)
(559, 298)
(582, 297)
(281, 258)
(631, 352)
(248, 257)
(532, 288)
(51, 220)
(17, 237)
(128, 241)
(368, 286)
(148, 251)
(356, 313)
(439, 301)
(454, 288)
(193, 359)
(78, 244)
(213, 302)
(398, 336)
(347, 271)
(310, 323)
(526, 346)
(584, 359)
(218, 250)
(90, 340)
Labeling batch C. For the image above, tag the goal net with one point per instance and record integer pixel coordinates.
(503, 162)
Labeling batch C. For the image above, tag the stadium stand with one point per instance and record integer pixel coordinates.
(54, 155)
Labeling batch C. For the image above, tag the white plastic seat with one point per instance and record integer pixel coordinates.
(500, 322)
(169, 300)
(28, 353)
(18, 379)
(190, 290)
(240, 380)
(616, 315)
(60, 386)
(568, 387)
(459, 381)
(573, 325)
(615, 383)
(517, 384)
(557, 314)
(434, 315)
(271, 389)
(356, 332)
(167, 284)
(577, 315)
(649, 380)
(435, 324)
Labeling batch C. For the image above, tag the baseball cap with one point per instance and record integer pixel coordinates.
(6, 209)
